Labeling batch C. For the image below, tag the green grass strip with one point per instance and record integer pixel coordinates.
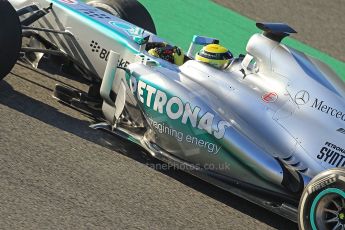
(178, 20)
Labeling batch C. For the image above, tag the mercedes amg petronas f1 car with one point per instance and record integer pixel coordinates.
(270, 127)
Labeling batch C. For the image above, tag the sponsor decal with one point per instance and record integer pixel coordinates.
(332, 154)
(175, 109)
(161, 128)
(322, 183)
(104, 54)
(129, 29)
(323, 107)
(302, 97)
(341, 130)
(122, 63)
(95, 47)
(70, 2)
(269, 97)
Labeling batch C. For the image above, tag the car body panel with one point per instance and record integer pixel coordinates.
(272, 120)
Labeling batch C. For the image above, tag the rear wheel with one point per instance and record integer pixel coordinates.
(322, 205)
(128, 10)
(10, 38)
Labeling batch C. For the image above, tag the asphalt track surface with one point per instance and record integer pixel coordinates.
(320, 24)
(56, 173)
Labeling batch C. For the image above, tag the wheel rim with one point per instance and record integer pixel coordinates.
(328, 210)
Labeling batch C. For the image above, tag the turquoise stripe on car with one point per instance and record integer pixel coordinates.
(102, 25)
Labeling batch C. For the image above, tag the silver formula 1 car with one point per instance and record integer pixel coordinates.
(270, 127)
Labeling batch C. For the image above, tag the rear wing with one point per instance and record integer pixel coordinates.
(275, 31)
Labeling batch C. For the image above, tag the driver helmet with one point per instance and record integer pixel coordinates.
(215, 55)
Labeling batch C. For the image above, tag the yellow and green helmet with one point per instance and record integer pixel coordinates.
(215, 55)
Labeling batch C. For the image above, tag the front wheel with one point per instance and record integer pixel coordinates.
(10, 38)
(322, 205)
(129, 10)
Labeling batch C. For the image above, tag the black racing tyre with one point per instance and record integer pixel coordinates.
(10, 37)
(322, 204)
(128, 10)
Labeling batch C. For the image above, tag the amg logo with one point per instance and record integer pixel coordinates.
(322, 183)
(341, 130)
(321, 106)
